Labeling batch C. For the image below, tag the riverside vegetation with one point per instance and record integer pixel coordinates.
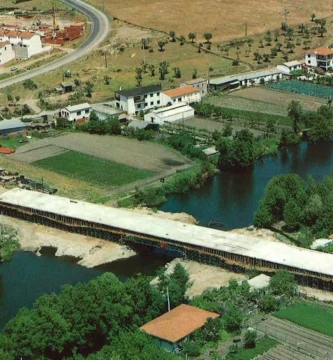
(8, 242)
(101, 319)
(302, 208)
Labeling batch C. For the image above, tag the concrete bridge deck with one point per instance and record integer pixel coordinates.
(246, 250)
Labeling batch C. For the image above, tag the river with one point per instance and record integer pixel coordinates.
(230, 199)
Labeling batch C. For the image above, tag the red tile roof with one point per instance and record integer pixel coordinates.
(178, 323)
(321, 51)
(3, 43)
(181, 91)
(26, 35)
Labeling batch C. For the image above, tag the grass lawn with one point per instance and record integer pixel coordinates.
(262, 346)
(315, 317)
(92, 170)
(11, 142)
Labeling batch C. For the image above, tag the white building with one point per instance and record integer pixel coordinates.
(170, 113)
(138, 99)
(76, 113)
(200, 83)
(291, 66)
(6, 52)
(184, 94)
(24, 43)
(247, 79)
(321, 57)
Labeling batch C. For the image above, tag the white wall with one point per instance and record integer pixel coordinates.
(6, 54)
(74, 116)
(311, 59)
(133, 105)
(157, 118)
(187, 99)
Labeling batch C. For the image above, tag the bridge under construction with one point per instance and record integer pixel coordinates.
(226, 249)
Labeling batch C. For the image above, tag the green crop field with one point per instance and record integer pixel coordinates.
(300, 87)
(311, 316)
(91, 169)
(262, 346)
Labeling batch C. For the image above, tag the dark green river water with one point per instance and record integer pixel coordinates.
(230, 199)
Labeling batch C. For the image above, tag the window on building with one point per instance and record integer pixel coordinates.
(146, 96)
(78, 113)
(151, 103)
(179, 99)
(158, 94)
(151, 95)
(309, 56)
(309, 62)
(87, 111)
(146, 104)
(158, 102)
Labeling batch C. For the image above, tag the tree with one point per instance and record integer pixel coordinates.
(276, 36)
(266, 58)
(194, 74)
(274, 52)
(182, 40)
(250, 338)
(255, 55)
(29, 84)
(89, 89)
(295, 112)
(236, 154)
(292, 215)
(200, 47)
(283, 283)
(138, 76)
(208, 37)
(268, 303)
(259, 58)
(227, 131)
(233, 318)
(321, 129)
(172, 35)
(289, 33)
(278, 46)
(192, 36)
(322, 31)
(211, 330)
(8, 242)
(161, 44)
(313, 16)
(152, 70)
(17, 98)
(268, 38)
(63, 123)
(177, 72)
(261, 43)
(291, 46)
(10, 97)
(145, 42)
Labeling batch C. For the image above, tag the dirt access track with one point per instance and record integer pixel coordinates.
(131, 152)
(224, 19)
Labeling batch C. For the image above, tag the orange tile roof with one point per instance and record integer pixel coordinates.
(26, 35)
(3, 43)
(12, 33)
(178, 323)
(321, 51)
(184, 90)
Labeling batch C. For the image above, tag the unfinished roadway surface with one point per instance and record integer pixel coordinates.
(221, 248)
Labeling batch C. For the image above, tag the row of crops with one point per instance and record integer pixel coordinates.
(304, 88)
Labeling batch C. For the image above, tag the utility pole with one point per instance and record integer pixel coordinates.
(168, 298)
(105, 60)
(286, 13)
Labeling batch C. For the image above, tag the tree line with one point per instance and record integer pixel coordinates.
(302, 206)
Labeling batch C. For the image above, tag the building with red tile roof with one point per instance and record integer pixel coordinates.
(320, 57)
(185, 94)
(176, 325)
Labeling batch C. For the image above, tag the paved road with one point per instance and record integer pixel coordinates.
(100, 26)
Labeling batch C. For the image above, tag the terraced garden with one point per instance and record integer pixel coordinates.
(304, 88)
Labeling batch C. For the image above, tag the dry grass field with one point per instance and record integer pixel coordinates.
(130, 152)
(277, 98)
(224, 19)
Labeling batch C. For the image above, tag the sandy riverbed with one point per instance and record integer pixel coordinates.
(202, 276)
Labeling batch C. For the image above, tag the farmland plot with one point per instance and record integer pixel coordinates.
(300, 87)
(281, 99)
